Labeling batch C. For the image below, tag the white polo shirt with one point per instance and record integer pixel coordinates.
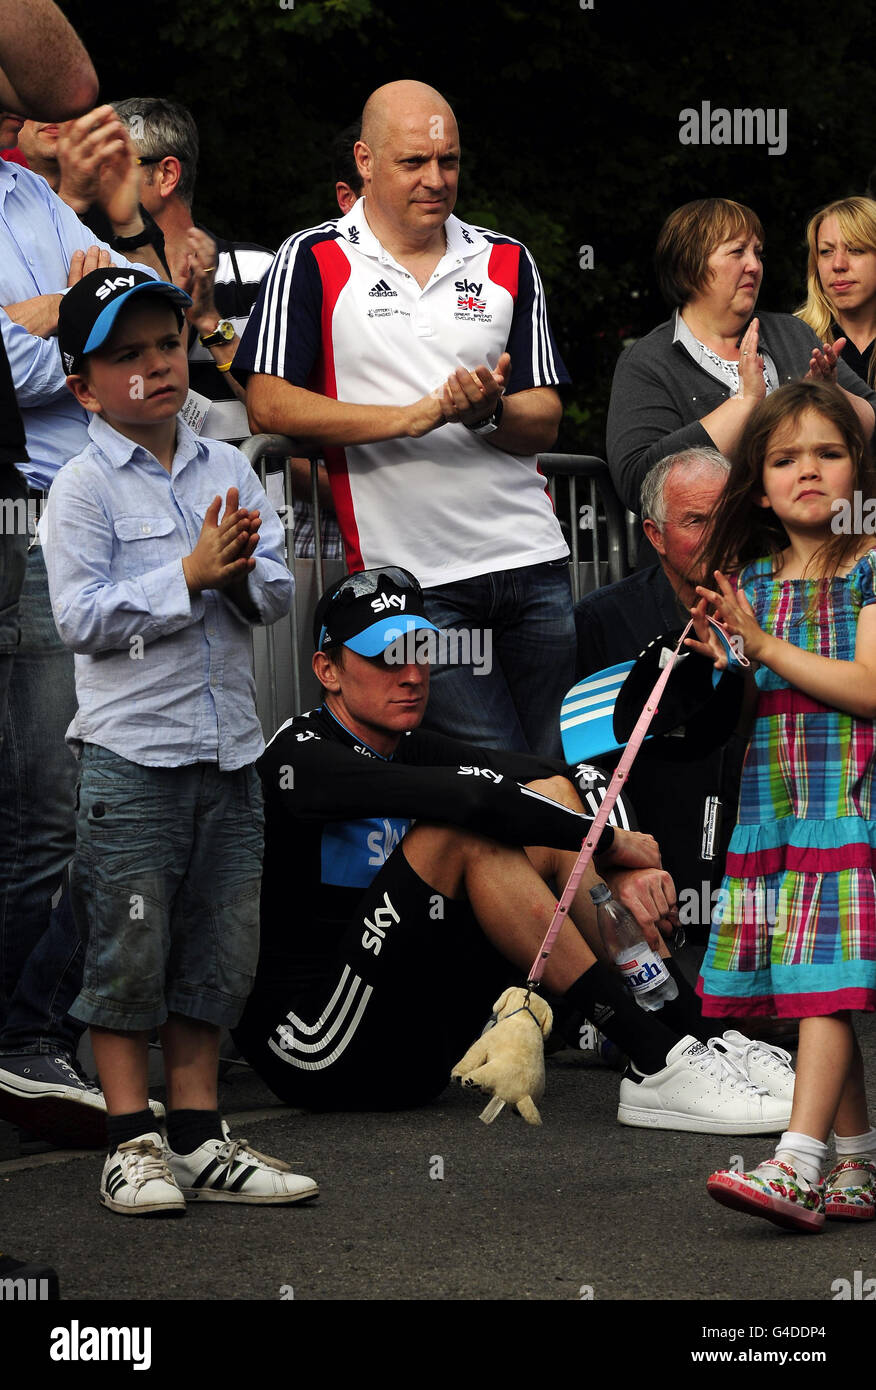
(339, 316)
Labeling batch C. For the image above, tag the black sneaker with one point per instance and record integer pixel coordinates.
(51, 1098)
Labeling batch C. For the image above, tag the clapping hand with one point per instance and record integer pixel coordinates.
(223, 553)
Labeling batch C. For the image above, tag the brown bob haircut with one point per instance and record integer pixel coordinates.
(690, 235)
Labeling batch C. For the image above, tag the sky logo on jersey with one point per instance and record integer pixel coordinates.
(382, 291)
(382, 842)
(486, 772)
(353, 851)
(470, 305)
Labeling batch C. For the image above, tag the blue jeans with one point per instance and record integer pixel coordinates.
(40, 952)
(524, 640)
(13, 558)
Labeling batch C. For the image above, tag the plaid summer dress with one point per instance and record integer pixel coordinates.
(794, 927)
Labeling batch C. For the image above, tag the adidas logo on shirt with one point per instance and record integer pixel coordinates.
(382, 291)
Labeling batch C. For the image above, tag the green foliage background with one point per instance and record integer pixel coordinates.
(569, 119)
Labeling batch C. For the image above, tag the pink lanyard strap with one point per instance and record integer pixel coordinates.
(611, 795)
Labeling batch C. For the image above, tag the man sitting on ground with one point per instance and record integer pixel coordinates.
(384, 941)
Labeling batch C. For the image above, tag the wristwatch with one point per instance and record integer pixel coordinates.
(491, 423)
(222, 333)
(151, 235)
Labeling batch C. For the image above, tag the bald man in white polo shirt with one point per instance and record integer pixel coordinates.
(414, 352)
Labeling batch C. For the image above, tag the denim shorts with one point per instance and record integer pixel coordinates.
(165, 883)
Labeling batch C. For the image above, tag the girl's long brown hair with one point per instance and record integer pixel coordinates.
(743, 530)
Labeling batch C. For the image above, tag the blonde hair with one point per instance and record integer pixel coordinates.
(857, 223)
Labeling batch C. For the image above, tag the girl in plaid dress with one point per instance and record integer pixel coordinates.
(794, 933)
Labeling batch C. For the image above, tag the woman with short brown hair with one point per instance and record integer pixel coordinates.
(694, 381)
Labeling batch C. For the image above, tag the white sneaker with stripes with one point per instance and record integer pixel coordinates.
(136, 1180)
(230, 1171)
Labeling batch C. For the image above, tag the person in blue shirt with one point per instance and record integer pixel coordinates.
(156, 593)
(44, 249)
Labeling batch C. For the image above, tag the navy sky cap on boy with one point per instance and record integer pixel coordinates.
(90, 308)
(370, 610)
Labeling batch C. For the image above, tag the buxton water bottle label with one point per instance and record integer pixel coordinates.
(641, 967)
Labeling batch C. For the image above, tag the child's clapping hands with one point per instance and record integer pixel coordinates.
(222, 557)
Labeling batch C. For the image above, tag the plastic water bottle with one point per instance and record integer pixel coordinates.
(647, 978)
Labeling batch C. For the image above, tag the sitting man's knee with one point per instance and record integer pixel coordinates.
(441, 855)
(558, 788)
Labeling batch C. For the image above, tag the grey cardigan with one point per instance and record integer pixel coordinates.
(659, 395)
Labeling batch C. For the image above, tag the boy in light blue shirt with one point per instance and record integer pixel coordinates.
(155, 588)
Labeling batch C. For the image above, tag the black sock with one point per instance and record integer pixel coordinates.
(188, 1129)
(686, 1013)
(603, 997)
(121, 1128)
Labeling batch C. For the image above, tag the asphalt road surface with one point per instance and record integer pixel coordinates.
(432, 1205)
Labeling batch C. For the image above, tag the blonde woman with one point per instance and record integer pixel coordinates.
(841, 280)
(693, 381)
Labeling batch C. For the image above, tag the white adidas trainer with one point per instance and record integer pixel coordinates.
(136, 1180)
(700, 1090)
(766, 1065)
(230, 1171)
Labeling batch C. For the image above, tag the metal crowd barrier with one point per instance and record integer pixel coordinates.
(285, 684)
(601, 518)
(597, 530)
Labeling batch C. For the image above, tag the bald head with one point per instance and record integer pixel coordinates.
(405, 105)
(408, 158)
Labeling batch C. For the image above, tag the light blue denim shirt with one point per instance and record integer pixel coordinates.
(162, 678)
(38, 235)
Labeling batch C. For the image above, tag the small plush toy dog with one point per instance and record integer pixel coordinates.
(508, 1060)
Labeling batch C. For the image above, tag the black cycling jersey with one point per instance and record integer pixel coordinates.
(353, 940)
(335, 810)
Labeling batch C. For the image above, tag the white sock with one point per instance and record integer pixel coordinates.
(861, 1146)
(805, 1154)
